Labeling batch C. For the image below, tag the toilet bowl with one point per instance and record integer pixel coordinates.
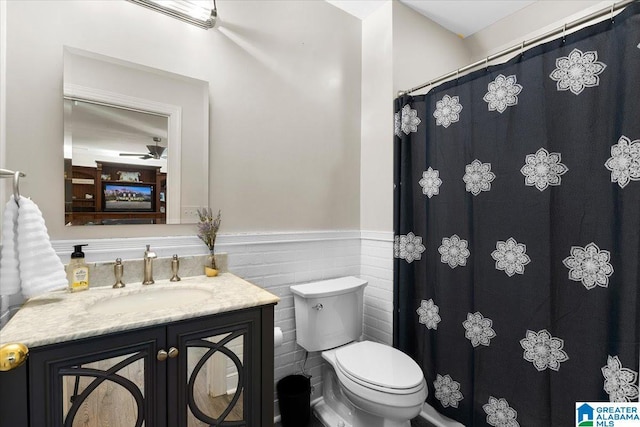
(385, 386)
(366, 384)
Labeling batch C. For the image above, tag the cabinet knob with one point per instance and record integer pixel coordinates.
(12, 356)
(173, 352)
(162, 355)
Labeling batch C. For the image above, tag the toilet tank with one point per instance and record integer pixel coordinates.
(329, 312)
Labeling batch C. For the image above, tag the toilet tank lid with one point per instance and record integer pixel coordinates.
(327, 288)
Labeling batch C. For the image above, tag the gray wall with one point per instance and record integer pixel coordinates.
(284, 81)
(402, 49)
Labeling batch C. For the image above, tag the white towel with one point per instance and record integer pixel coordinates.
(9, 273)
(40, 268)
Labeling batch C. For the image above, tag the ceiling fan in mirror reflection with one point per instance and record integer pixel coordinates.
(155, 151)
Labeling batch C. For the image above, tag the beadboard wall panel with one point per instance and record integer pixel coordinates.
(376, 267)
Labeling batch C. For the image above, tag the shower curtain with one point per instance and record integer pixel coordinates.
(517, 231)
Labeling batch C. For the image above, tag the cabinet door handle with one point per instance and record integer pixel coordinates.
(173, 352)
(162, 355)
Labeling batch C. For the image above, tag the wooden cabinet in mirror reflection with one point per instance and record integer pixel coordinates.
(114, 193)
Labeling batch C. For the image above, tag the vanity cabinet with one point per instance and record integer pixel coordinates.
(212, 370)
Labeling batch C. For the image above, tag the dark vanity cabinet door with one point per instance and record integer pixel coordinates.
(114, 380)
(217, 377)
(213, 370)
(14, 408)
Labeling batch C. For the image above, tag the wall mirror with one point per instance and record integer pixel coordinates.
(135, 142)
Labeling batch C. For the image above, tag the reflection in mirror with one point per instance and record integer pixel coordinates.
(88, 399)
(136, 143)
(215, 375)
(115, 165)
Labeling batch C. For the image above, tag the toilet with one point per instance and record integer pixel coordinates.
(365, 383)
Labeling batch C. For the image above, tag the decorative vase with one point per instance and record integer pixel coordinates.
(211, 261)
(210, 268)
(210, 272)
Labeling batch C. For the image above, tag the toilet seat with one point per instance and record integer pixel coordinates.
(378, 388)
(379, 367)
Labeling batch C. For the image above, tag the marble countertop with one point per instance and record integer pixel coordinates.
(63, 316)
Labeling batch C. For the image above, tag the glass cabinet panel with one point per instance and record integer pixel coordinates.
(113, 380)
(217, 375)
(215, 380)
(108, 392)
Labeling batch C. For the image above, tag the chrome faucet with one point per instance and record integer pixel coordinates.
(148, 266)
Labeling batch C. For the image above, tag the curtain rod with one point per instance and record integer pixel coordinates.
(560, 30)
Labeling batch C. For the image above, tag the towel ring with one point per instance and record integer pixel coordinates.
(5, 173)
(16, 186)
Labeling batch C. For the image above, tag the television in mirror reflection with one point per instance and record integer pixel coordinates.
(128, 197)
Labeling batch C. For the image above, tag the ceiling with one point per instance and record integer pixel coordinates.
(462, 17)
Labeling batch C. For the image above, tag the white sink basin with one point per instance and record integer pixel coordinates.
(148, 300)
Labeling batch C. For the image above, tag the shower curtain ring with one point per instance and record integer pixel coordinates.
(522, 48)
(486, 63)
(564, 33)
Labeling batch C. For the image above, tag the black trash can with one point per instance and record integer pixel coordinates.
(294, 400)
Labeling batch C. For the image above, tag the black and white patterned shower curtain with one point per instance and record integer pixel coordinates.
(517, 231)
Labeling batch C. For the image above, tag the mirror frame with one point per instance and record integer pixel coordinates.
(174, 146)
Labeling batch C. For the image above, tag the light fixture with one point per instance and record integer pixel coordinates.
(201, 13)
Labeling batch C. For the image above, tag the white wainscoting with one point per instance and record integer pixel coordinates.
(275, 261)
(376, 266)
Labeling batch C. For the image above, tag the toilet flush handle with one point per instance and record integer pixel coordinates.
(318, 306)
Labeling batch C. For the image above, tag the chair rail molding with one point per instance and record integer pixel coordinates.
(133, 247)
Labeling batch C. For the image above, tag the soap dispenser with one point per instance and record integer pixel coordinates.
(78, 271)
